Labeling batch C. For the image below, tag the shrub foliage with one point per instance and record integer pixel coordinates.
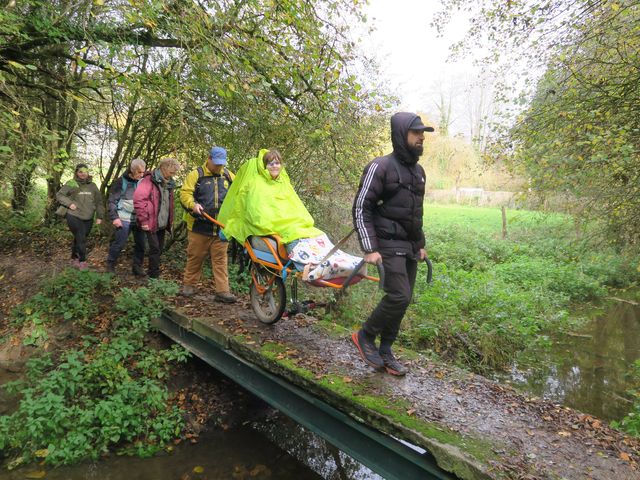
(104, 394)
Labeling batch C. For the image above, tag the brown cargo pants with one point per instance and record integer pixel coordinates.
(198, 248)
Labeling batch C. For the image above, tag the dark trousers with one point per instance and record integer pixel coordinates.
(120, 240)
(400, 277)
(80, 229)
(156, 244)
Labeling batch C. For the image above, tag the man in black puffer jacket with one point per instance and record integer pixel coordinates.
(387, 214)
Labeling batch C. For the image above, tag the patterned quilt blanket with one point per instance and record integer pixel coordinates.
(310, 251)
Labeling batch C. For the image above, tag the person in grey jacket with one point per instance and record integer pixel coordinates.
(83, 201)
(123, 217)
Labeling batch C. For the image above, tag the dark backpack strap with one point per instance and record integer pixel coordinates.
(123, 191)
(401, 184)
(394, 160)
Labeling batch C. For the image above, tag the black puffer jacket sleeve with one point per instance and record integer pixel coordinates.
(367, 197)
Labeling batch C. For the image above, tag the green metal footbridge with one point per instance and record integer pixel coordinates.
(390, 457)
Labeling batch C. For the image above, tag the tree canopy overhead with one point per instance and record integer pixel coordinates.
(579, 133)
(175, 77)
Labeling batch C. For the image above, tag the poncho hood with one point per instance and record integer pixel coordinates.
(256, 204)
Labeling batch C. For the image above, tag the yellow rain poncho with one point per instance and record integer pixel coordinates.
(256, 204)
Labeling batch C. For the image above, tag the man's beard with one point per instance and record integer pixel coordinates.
(416, 150)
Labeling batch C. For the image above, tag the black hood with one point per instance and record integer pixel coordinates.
(400, 123)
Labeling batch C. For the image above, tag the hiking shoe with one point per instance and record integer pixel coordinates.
(367, 349)
(138, 271)
(187, 290)
(392, 365)
(225, 297)
(110, 268)
(83, 266)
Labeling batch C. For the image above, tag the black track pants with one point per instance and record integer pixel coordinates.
(400, 277)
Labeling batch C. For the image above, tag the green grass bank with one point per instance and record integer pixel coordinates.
(491, 297)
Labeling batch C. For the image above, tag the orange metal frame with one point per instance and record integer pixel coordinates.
(277, 268)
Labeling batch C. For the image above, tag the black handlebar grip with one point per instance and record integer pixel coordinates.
(380, 268)
(429, 269)
(347, 282)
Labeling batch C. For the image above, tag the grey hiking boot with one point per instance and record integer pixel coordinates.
(110, 268)
(367, 349)
(392, 365)
(225, 297)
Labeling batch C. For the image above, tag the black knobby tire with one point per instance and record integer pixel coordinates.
(270, 305)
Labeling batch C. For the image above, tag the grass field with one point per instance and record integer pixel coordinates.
(491, 297)
(489, 220)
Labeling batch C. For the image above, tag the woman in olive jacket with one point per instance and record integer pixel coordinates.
(83, 200)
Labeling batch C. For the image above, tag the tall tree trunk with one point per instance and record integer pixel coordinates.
(22, 187)
(126, 137)
(24, 169)
(62, 116)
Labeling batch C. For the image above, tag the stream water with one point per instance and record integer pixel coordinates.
(589, 369)
(265, 444)
(234, 454)
(273, 447)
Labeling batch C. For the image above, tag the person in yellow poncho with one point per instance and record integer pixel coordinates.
(261, 201)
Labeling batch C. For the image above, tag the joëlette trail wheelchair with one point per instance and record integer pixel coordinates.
(271, 270)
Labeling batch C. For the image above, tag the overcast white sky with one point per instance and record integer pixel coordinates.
(413, 57)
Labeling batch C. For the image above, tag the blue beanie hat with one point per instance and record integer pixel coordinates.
(218, 156)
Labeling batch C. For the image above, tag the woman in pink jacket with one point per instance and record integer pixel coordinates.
(153, 204)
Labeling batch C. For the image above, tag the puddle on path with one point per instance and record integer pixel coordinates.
(588, 370)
